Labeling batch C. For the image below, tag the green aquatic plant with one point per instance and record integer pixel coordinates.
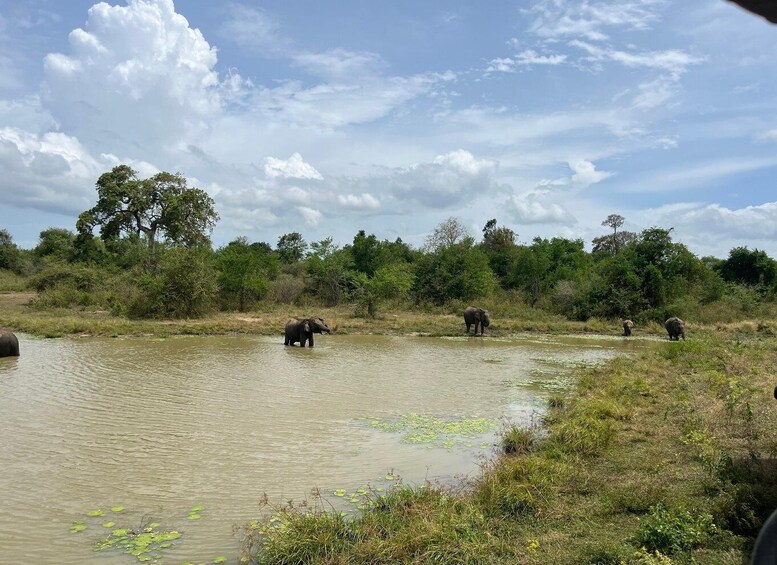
(436, 432)
(144, 544)
(77, 527)
(95, 513)
(117, 509)
(109, 524)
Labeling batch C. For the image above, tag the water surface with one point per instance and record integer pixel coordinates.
(160, 425)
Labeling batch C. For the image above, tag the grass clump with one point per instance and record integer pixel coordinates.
(518, 440)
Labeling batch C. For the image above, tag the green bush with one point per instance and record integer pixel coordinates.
(672, 530)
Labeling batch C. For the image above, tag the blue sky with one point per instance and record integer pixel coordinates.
(331, 117)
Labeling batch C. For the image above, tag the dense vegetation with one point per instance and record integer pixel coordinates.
(152, 258)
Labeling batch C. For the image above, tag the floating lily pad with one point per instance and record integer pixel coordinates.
(198, 508)
(194, 516)
(109, 524)
(435, 432)
(220, 559)
(339, 492)
(117, 509)
(95, 513)
(390, 477)
(77, 527)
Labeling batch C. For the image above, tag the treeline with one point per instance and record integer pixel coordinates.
(152, 257)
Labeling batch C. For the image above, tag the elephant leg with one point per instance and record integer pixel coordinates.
(468, 325)
(310, 339)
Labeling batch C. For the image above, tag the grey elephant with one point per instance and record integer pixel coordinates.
(675, 327)
(473, 315)
(302, 329)
(627, 326)
(9, 344)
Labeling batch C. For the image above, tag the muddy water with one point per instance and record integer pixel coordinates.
(158, 426)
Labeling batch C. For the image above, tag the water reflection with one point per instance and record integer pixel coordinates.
(158, 425)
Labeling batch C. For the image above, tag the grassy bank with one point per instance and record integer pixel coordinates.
(666, 457)
(17, 312)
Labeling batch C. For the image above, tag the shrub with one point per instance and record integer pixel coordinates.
(518, 440)
(671, 530)
(286, 289)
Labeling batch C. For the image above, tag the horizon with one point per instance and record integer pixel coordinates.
(329, 119)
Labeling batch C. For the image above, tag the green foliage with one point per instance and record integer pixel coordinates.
(160, 206)
(244, 273)
(291, 247)
(455, 272)
(672, 530)
(753, 268)
(331, 271)
(184, 287)
(9, 253)
(56, 243)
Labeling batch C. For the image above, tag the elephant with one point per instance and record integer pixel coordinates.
(9, 344)
(477, 316)
(302, 330)
(675, 327)
(627, 325)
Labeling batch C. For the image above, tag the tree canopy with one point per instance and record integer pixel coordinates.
(160, 206)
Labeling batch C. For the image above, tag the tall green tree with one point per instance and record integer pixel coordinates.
(459, 271)
(244, 272)
(9, 252)
(499, 245)
(56, 243)
(161, 207)
(291, 247)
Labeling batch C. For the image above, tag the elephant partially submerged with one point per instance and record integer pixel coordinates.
(675, 327)
(627, 326)
(302, 330)
(9, 344)
(477, 316)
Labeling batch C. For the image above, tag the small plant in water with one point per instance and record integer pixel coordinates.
(420, 429)
(145, 543)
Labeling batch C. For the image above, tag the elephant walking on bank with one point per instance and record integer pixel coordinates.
(675, 327)
(477, 316)
(627, 326)
(302, 330)
(9, 344)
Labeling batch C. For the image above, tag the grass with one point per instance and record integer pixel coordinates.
(669, 456)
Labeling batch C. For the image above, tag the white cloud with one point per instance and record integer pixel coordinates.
(339, 64)
(312, 217)
(134, 73)
(585, 173)
(363, 201)
(534, 207)
(254, 28)
(295, 167)
(674, 61)
(692, 175)
(564, 18)
(526, 58)
(770, 135)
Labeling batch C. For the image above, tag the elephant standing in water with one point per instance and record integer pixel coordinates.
(302, 330)
(627, 326)
(9, 344)
(675, 327)
(477, 316)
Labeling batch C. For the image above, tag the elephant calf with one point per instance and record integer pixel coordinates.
(675, 327)
(9, 344)
(477, 316)
(302, 330)
(627, 326)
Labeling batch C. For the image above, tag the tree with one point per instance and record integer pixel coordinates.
(9, 253)
(499, 245)
(58, 243)
(614, 221)
(749, 267)
(455, 272)
(446, 234)
(291, 247)
(331, 269)
(611, 244)
(245, 271)
(162, 206)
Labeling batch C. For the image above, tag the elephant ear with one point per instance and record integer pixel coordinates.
(306, 326)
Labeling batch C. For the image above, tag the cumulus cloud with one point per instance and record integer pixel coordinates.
(295, 167)
(134, 73)
(363, 201)
(534, 207)
(312, 216)
(52, 172)
(584, 173)
(255, 28)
